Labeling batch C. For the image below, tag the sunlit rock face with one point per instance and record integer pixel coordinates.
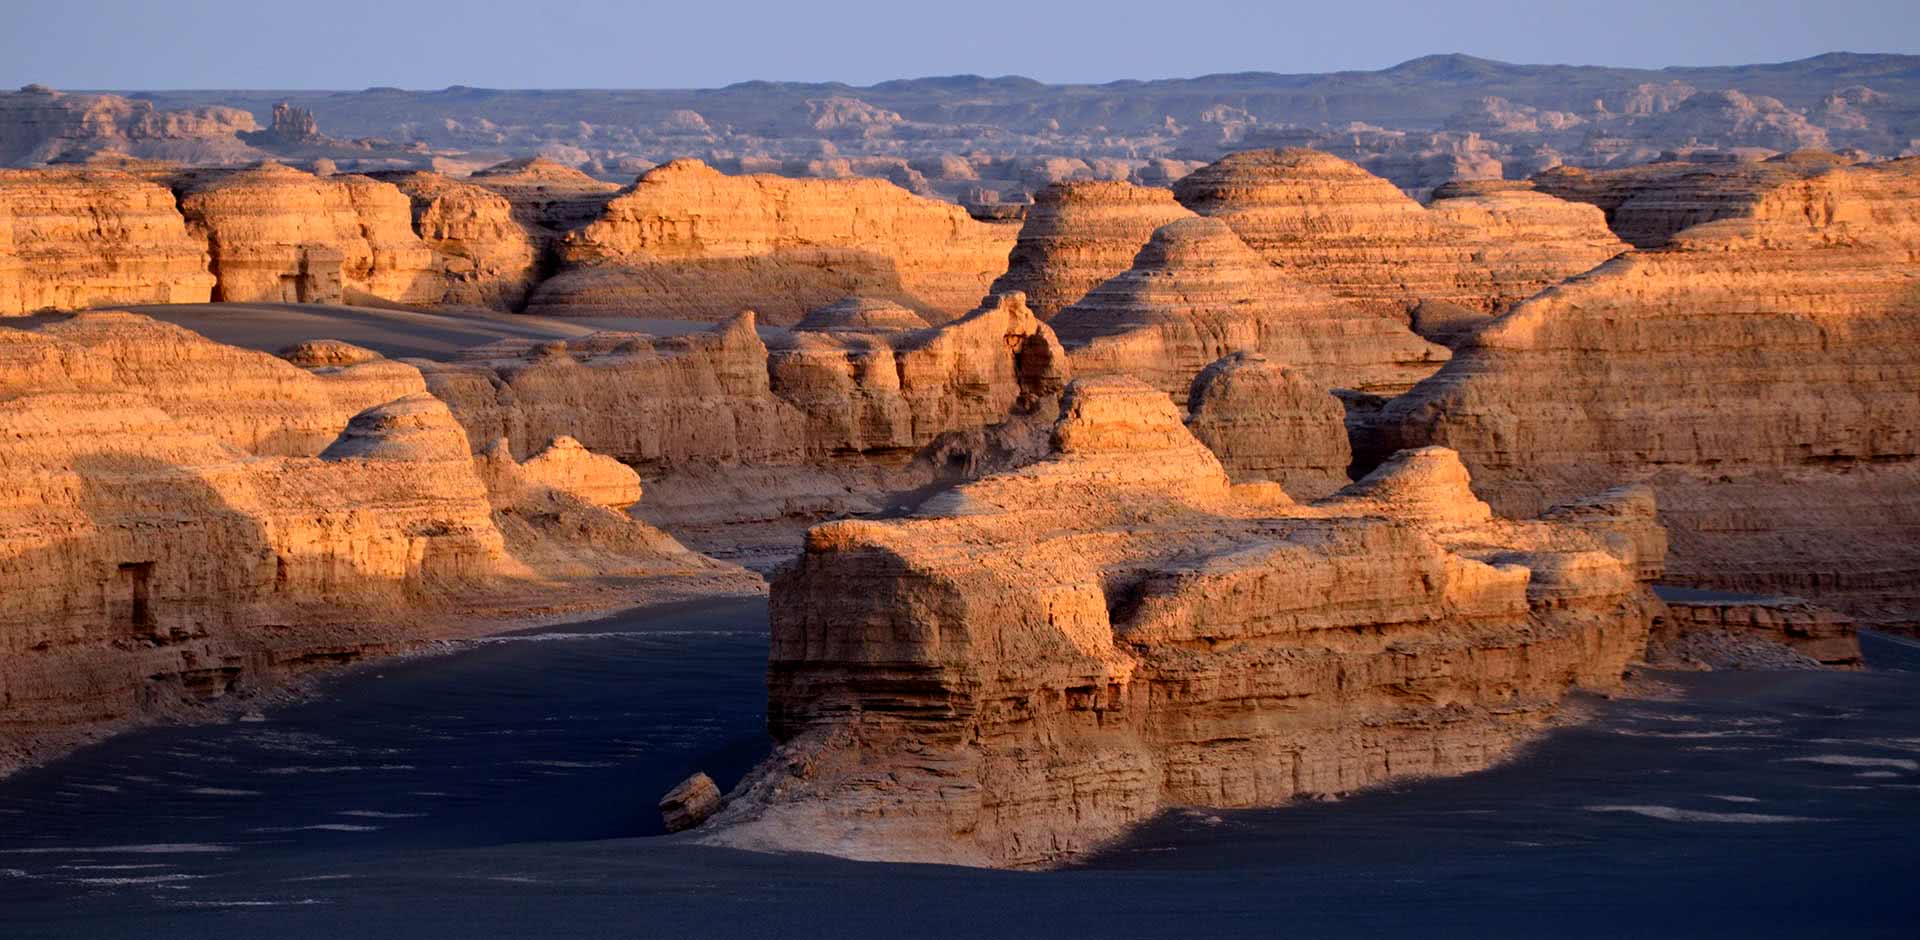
(1761, 371)
(1039, 659)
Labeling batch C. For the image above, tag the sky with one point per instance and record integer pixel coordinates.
(352, 44)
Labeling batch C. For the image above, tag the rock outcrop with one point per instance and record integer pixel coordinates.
(71, 239)
(487, 257)
(1760, 371)
(689, 242)
(724, 396)
(1326, 222)
(175, 525)
(861, 315)
(1041, 658)
(1266, 421)
(1650, 203)
(279, 234)
(1196, 292)
(1078, 234)
(1696, 622)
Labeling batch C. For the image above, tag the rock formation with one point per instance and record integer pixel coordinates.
(860, 315)
(1266, 421)
(548, 199)
(690, 803)
(488, 259)
(1079, 234)
(1823, 636)
(1041, 658)
(1648, 204)
(1196, 293)
(725, 396)
(41, 125)
(83, 238)
(280, 234)
(1326, 222)
(689, 242)
(174, 523)
(1761, 372)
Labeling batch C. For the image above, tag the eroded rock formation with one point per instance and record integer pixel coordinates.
(1266, 421)
(488, 259)
(1762, 372)
(1326, 222)
(1196, 292)
(73, 238)
(1077, 235)
(1043, 657)
(179, 519)
(687, 241)
(280, 234)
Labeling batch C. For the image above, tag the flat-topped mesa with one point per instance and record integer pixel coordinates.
(1266, 421)
(1077, 234)
(1648, 204)
(487, 257)
(71, 239)
(1761, 372)
(1041, 658)
(1196, 292)
(861, 315)
(1327, 222)
(163, 498)
(690, 242)
(283, 235)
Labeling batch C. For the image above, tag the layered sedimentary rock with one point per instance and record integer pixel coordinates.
(41, 125)
(1196, 292)
(488, 259)
(725, 396)
(1762, 372)
(156, 548)
(71, 239)
(548, 199)
(1648, 204)
(1078, 234)
(861, 315)
(1824, 636)
(1266, 421)
(1329, 223)
(1043, 657)
(687, 241)
(280, 234)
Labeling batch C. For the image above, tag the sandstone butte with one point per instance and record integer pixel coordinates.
(690, 242)
(1327, 222)
(1196, 292)
(165, 541)
(1079, 234)
(1038, 659)
(1760, 371)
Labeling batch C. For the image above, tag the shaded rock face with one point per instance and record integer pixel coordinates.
(1041, 658)
(1825, 637)
(1648, 204)
(690, 242)
(1078, 234)
(282, 235)
(1761, 372)
(1326, 222)
(1196, 292)
(72, 239)
(164, 498)
(40, 125)
(1266, 421)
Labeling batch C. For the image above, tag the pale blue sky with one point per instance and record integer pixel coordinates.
(350, 44)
